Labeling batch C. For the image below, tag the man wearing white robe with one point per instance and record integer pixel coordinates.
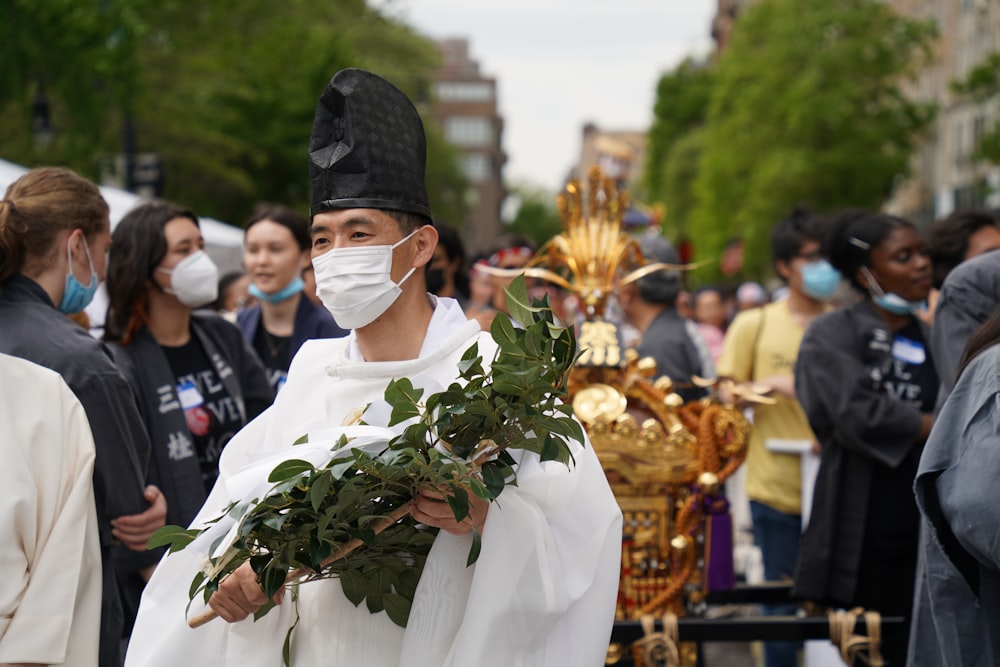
(544, 587)
(50, 554)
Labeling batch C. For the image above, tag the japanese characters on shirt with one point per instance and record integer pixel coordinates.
(212, 414)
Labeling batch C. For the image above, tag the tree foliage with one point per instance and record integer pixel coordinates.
(537, 218)
(224, 91)
(983, 83)
(682, 98)
(806, 108)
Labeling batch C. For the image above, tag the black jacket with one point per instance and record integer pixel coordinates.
(175, 470)
(862, 430)
(33, 329)
(310, 322)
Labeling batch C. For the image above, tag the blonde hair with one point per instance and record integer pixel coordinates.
(37, 207)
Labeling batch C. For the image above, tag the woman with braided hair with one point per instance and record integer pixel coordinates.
(867, 384)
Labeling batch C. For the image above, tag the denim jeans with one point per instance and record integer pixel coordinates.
(777, 534)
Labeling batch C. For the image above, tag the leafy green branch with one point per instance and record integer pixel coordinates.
(349, 518)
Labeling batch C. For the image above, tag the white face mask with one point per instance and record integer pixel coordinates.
(355, 284)
(194, 281)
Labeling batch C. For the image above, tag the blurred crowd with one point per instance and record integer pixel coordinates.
(867, 327)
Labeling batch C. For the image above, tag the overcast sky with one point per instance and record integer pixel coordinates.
(562, 63)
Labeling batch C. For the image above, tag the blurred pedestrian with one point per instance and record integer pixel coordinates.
(233, 294)
(709, 307)
(960, 236)
(672, 341)
(446, 275)
(866, 381)
(750, 295)
(54, 236)
(760, 347)
(276, 253)
(196, 381)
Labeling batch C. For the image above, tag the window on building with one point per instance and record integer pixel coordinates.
(469, 130)
(477, 167)
(464, 91)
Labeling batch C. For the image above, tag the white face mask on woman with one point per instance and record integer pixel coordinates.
(194, 281)
(355, 284)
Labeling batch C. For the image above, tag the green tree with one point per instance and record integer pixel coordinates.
(982, 83)
(224, 91)
(682, 98)
(806, 108)
(537, 217)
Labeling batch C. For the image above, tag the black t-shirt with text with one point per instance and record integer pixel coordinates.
(212, 414)
(910, 378)
(274, 354)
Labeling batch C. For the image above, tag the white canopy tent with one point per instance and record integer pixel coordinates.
(223, 243)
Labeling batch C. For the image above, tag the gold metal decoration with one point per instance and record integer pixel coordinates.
(594, 255)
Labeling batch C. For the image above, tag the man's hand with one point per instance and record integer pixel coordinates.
(135, 530)
(431, 507)
(240, 595)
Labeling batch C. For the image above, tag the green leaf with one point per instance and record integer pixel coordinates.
(517, 302)
(302, 439)
(263, 609)
(554, 449)
(458, 499)
(477, 545)
(493, 477)
(503, 331)
(195, 583)
(354, 586)
(176, 537)
(397, 608)
(320, 487)
(286, 470)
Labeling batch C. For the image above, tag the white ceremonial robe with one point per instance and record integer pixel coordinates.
(50, 553)
(542, 592)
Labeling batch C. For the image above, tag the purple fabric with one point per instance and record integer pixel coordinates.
(719, 572)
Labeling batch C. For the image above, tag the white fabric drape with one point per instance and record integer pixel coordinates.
(542, 592)
(50, 558)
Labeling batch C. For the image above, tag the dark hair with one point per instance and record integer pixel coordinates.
(408, 222)
(790, 234)
(661, 287)
(948, 239)
(225, 282)
(451, 241)
(985, 337)
(38, 206)
(295, 222)
(138, 245)
(851, 236)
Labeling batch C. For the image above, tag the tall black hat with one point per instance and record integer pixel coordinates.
(367, 148)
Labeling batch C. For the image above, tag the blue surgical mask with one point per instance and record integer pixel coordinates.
(77, 296)
(288, 291)
(890, 301)
(820, 279)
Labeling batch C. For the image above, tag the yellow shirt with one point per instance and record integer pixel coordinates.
(762, 343)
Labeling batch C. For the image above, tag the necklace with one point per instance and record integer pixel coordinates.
(275, 344)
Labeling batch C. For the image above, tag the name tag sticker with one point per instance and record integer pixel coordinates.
(908, 350)
(189, 395)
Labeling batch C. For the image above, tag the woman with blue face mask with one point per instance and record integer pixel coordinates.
(197, 382)
(54, 236)
(868, 386)
(276, 253)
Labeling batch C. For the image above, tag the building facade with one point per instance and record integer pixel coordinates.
(945, 176)
(465, 107)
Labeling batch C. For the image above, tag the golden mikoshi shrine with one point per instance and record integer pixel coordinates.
(665, 459)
